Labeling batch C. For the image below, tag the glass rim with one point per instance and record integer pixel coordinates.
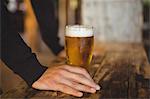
(79, 31)
(79, 26)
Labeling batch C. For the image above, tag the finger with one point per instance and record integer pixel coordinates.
(68, 90)
(78, 70)
(78, 78)
(83, 72)
(77, 86)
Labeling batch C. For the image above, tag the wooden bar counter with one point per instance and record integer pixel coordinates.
(121, 69)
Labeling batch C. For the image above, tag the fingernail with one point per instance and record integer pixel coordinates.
(97, 87)
(93, 90)
(80, 94)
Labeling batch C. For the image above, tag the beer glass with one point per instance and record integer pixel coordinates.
(79, 44)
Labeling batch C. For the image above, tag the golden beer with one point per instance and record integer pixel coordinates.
(79, 41)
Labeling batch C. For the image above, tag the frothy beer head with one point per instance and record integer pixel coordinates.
(79, 31)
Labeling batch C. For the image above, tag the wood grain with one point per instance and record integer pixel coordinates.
(118, 70)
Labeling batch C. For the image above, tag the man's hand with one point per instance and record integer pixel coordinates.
(67, 79)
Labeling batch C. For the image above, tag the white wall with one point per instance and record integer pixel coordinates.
(114, 20)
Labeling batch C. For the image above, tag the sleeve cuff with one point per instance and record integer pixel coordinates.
(31, 70)
(36, 75)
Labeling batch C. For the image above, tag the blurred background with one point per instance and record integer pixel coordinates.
(113, 21)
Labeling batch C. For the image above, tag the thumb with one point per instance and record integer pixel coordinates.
(40, 85)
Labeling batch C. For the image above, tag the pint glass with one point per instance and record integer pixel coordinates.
(79, 44)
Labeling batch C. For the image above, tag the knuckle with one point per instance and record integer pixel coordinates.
(73, 92)
(70, 90)
(81, 77)
(86, 88)
(74, 85)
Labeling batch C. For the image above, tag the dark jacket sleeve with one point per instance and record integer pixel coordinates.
(48, 23)
(15, 53)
